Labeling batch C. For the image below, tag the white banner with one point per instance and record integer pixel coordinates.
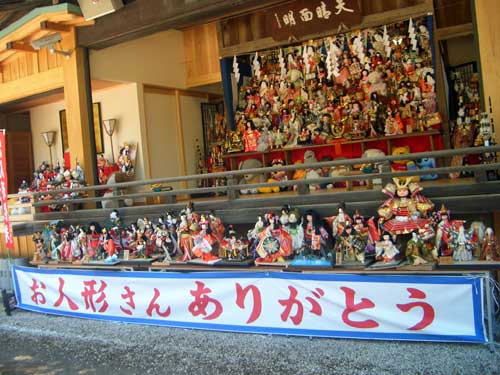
(432, 308)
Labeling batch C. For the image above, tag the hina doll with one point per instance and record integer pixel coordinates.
(414, 250)
(139, 244)
(40, 248)
(315, 235)
(385, 250)
(108, 244)
(274, 243)
(401, 213)
(93, 237)
(184, 238)
(460, 243)
(294, 228)
(490, 249)
(162, 241)
(340, 221)
(443, 230)
(65, 247)
(251, 137)
(204, 242)
(350, 246)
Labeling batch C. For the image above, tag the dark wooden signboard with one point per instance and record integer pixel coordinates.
(305, 17)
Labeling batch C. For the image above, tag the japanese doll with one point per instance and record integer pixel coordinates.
(339, 222)
(94, 240)
(251, 137)
(385, 250)
(406, 209)
(460, 242)
(443, 230)
(294, 228)
(350, 245)
(490, 249)
(315, 235)
(184, 238)
(274, 243)
(65, 247)
(204, 242)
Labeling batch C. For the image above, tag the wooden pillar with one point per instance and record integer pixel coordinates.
(180, 138)
(488, 36)
(78, 120)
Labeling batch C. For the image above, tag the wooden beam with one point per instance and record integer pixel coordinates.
(32, 85)
(77, 115)
(180, 137)
(371, 20)
(454, 31)
(22, 5)
(18, 46)
(53, 26)
(144, 17)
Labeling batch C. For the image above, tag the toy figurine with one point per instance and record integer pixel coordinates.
(401, 213)
(350, 246)
(490, 249)
(93, 239)
(414, 250)
(184, 238)
(204, 243)
(460, 243)
(427, 163)
(295, 229)
(274, 243)
(315, 236)
(443, 230)
(340, 221)
(385, 250)
(251, 137)
(40, 254)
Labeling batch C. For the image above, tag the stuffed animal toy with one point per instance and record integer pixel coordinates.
(250, 178)
(403, 164)
(373, 167)
(310, 158)
(274, 177)
(427, 163)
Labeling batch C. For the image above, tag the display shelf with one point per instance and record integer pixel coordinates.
(232, 158)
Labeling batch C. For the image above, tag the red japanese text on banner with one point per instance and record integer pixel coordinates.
(430, 308)
(9, 240)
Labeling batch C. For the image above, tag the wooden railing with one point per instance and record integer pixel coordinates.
(229, 197)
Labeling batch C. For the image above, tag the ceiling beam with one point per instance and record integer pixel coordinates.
(144, 17)
(23, 5)
(17, 46)
(52, 26)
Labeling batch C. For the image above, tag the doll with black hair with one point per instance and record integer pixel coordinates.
(315, 235)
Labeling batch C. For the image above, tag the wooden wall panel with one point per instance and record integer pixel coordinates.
(201, 51)
(23, 247)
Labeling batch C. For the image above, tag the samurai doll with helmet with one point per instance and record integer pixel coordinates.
(406, 209)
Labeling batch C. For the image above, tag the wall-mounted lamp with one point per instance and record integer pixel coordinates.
(48, 138)
(50, 42)
(110, 127)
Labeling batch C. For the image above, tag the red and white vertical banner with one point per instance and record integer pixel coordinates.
(9, 240)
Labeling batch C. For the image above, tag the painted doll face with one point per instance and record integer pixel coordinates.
(402, 192)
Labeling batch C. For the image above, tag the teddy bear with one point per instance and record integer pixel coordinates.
(274, 177)
(250, 178)
(377, 84)
(403, 164)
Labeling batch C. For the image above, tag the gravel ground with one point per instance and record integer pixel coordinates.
(38, 344)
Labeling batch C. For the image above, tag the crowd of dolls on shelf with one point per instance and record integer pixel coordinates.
(405, 228)
(48, 178)
(369, 83)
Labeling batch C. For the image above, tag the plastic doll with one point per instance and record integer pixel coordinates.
(315, 235)
(402, 212)
(490, 249)
(385, 250)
